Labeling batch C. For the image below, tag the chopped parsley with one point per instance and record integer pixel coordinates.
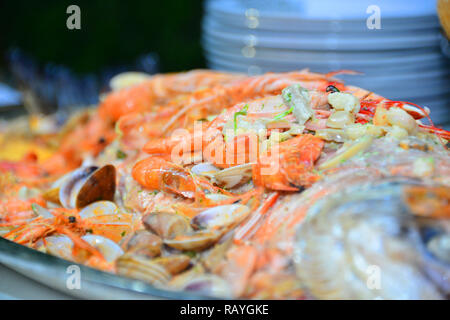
(283, 114)
(288, 97)
(243, 112)
(190, 254)
(121, 155)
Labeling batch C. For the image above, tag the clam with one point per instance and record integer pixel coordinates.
(144, 243)
(99, 208)
(165, 224)
(364, 242)
(108, 248)
(178, 234)
(84, 186)
(194, 241)
(133, 266)
(58, 245)
(174, 264)
(73, 183)
(234, 176)
(228, 178)
(100, 185)
(62, 246)
(205, 169)
(220, 217)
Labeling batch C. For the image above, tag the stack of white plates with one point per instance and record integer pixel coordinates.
(402, 60)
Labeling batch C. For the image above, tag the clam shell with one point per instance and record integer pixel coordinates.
(220, 216)
(83, 186)
(233, 176)
(99, 208)
(205, 169)
(108, 248)
(130, 265)
(144, 243)
(60, 246)
(194, 241)
(65, 189)
(174, 264)
(100, 185)
(166, 225)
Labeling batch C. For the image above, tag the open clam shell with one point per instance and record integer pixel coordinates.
(220, 216)
(234, 176)
(194, 241)
(101, 185)
(99, 208)
(109, 249)
(84, 186)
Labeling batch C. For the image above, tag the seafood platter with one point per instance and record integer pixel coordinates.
(207, 184)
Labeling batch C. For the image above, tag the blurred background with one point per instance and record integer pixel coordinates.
(46, 67)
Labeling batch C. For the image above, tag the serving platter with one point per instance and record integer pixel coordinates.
(52, 272)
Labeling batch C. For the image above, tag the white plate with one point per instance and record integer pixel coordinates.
(326, 42)
(326, 9)
(407, 65)
(232, 13)
(323, 58)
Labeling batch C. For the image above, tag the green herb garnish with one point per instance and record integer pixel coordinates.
(283, 114)
(243, 112)
(121, 155)
(190, 254)
(288, 97)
